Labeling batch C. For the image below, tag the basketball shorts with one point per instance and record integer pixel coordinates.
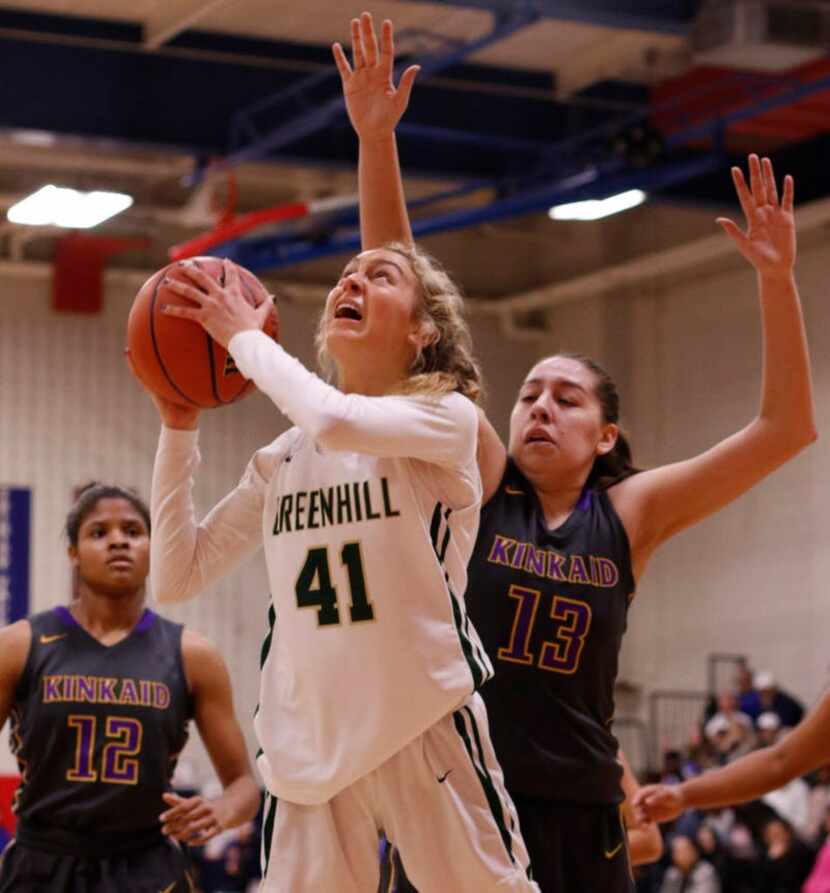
(441, 799)
(163, 868)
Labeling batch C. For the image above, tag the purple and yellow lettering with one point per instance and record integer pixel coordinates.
(563, 653)
(500, 550)
(517, 650)
(85, 689)
(69, 687)
(82, 769)
(161, 696)
(52, 688)
(594, 570)
(116, 765)
(609, 574)
(128, 694)
(519, 556)
(145, 693)
(556, 566)
(535, 561)
(106, 690)
(578, 572)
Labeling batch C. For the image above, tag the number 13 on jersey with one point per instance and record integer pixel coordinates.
(562, 654)
(314, 588)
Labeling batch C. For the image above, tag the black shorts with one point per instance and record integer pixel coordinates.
(163, 868)
(573, 848)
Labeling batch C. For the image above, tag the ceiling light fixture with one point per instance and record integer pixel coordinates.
(58, 206)
(594, 209)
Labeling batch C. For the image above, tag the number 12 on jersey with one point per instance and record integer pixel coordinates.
(314, 588)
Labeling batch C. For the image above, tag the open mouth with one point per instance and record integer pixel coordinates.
(347, 310)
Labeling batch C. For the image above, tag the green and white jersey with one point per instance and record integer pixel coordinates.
(367, 512)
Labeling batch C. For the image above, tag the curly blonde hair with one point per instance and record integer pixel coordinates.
(446, 363)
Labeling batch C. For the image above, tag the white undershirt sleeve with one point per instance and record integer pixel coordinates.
(186, 557)
(442, 430)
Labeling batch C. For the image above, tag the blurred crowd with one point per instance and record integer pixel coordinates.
(778, 844)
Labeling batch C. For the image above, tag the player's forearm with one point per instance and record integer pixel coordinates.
(746, 779)
(787, 409)
(238, 802)
(383, 214)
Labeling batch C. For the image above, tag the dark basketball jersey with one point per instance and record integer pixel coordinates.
(97, 729)
(550, 607)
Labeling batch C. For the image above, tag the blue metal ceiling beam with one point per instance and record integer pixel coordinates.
(505, 23)
(265, 254)
(662, 16)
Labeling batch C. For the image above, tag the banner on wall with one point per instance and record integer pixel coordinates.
(15, 550)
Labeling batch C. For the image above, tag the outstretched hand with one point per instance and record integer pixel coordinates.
(769, 242)
(373, 102)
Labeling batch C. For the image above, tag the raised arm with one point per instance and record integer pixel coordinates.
(195, 820)
(804, 749)
(657, 504)
(375, 106)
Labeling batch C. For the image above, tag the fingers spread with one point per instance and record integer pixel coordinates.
(387, 48)
(341, 61)
(789, 193)
(744, 195)
(358, 56)
(405, 87)
(370, 42)
(756, 179)
(187, 291)
(769, 180)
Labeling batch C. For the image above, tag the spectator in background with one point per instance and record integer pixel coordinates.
(767, 729)
(730, 730)
(819, 806)
(748, 701)
(771, 698)
(689, 872)
(787, 862)
(792, 803)
(819, 879)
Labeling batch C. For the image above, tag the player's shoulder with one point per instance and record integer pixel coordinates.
(199, 652)
(15, 642)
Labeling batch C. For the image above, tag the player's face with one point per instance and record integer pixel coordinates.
(557, 426)
(372, 310)
(113, 551)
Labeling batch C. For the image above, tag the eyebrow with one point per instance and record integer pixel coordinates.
(566, 382)
(376, 262)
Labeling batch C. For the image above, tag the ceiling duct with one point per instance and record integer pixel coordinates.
(761, 35)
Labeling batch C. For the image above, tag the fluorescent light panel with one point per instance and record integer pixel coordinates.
(594, 209)
(58, 206)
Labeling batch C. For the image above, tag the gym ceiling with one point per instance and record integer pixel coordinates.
(198, 107)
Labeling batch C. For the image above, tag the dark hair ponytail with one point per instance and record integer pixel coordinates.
(90, 496)
(616, 465)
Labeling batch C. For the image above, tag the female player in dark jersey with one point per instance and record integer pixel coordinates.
(568, 525)
(100, 695)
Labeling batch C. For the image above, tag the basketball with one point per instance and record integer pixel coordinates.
(175, 358)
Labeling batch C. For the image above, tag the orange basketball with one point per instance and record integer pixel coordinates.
(176, 358)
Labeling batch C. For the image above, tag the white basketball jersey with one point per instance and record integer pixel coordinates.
(368, 513)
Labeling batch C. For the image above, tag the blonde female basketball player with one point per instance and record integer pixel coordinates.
(367, 511)
(568, 525)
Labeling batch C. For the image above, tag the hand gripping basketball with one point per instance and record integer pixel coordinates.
(170, 347)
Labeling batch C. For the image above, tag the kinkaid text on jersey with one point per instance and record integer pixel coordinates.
(347, 503)
(591, 570)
